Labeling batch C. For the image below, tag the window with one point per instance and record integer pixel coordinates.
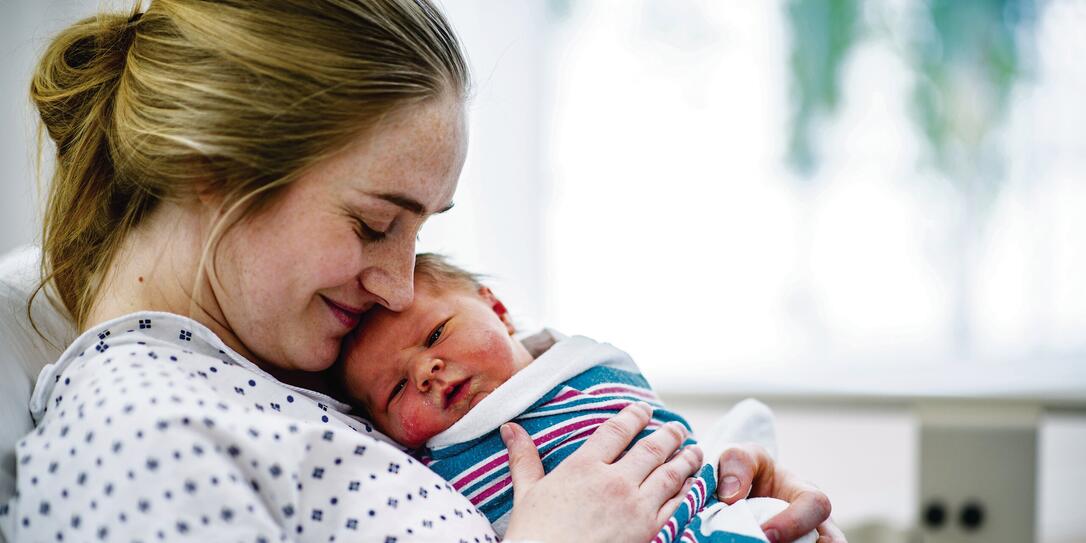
(682, 226)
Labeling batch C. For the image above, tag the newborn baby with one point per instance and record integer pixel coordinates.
(441, 376)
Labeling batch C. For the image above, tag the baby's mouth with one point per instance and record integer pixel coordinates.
(456, 392)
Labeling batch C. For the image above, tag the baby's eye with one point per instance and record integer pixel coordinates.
(435, 335)
(397, 389)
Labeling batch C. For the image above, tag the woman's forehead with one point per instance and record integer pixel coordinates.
(415, 155)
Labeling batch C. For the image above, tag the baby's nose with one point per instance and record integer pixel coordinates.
(429, 371)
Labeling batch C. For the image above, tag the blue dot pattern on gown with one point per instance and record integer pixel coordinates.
(150, 429)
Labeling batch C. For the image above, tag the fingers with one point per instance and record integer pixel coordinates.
(524, 465)
(739, 466)
(652, 451)
(749, 470)
(612, 437)
(809, 510)
(669, 507)
(668, 479)
(828, 532)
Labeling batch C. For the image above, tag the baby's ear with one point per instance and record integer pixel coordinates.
(498, 308)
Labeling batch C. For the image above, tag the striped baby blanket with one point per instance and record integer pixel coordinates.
(560, 400)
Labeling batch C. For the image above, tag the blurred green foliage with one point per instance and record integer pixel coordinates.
(968, 64)
(823, 32)
(967, 54)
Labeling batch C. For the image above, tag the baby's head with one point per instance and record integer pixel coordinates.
(418, 371)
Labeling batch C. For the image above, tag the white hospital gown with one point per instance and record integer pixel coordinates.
(150, 429)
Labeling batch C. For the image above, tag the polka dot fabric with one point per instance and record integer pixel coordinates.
(150, 429)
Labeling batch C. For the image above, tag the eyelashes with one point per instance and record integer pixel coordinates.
(435, 335)
(368, 233)
(396, 389)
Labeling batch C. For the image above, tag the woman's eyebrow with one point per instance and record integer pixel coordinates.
(408, 203)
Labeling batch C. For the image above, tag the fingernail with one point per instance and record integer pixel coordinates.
(507, 433)
(678, 426)
(773, 535)
(731, 486)
(645, 407)
(695, 450)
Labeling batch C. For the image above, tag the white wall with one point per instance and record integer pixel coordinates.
(496, 227)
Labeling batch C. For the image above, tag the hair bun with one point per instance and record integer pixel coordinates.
(78, 74)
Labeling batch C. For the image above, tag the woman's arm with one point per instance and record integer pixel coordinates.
(642, 487)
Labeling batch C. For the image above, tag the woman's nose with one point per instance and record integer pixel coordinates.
(426, 372)
(390, 276)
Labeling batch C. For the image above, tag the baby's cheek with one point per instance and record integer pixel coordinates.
(419, 426)
(493, 355)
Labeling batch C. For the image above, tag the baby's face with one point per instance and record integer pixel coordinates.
(419, 371)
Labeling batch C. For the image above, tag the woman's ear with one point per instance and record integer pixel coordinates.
(498, 308)
(207, 195)
(208, 192)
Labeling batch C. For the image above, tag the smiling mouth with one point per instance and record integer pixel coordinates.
(344, 315)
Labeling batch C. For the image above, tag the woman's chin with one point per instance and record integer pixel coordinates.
(321, 357)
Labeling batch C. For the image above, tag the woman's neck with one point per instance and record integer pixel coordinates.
(157, 269)
(152, 270)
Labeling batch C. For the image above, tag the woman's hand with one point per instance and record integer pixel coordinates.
(594, 495)
(747, 470)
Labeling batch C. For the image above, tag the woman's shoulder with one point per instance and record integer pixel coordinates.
(117, 342)
(151, 420)
(154, 357)
(147, 327)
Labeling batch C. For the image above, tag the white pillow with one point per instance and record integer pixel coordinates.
(23, 353)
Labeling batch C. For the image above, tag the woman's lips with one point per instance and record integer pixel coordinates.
(343, 314)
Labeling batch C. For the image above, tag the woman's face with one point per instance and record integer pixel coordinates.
(293, 279)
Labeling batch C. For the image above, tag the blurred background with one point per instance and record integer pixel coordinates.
(853, 209)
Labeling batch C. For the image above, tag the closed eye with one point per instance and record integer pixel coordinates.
(368, 233)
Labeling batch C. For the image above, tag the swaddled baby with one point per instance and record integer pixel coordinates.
(441, 377)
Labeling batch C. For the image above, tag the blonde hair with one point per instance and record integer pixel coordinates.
(242, 95)
(438, 272)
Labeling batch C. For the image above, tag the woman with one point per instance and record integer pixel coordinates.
(236, 183)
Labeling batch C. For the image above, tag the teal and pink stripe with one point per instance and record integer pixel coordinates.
(559, 423)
